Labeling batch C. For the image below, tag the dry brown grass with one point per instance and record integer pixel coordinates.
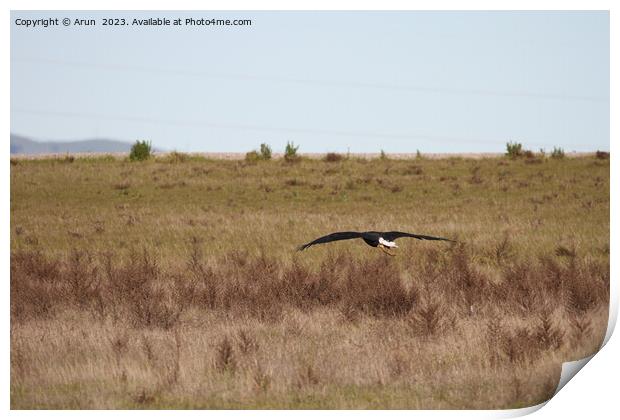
(268, 320)
(185, 296)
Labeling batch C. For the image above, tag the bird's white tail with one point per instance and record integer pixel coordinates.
(387, 243)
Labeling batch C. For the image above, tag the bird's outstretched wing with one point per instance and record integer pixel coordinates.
(390, 236)
(336, 236)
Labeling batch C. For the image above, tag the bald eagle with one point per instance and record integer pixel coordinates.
(381, 240)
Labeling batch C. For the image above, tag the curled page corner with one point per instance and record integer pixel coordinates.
(570, 369)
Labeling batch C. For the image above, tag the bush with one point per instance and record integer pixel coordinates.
(252, 157)
(557, 153)
(514, 150)
(265, 151)
(141, 150)
(602, 155)
(383, 155)
(175, 157)
(290, 152)
(333, 157)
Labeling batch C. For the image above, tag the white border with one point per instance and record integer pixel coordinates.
(593, 393)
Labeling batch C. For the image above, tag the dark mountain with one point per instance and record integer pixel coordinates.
(26, 146)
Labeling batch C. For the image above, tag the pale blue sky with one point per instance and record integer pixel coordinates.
(329, 81)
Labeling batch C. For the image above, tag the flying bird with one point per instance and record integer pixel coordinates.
(382, 240)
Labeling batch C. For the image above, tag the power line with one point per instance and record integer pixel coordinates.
(316, 82)
(252, 127)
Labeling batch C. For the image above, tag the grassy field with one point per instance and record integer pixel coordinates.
(174, 283)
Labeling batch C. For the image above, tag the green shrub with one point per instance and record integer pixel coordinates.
(290, 152)
(141, 150)
(265, 151)
(557, 153)
(253, 156)
(514, 150)
(383, 155)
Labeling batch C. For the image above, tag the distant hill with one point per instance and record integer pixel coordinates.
(24, 145)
